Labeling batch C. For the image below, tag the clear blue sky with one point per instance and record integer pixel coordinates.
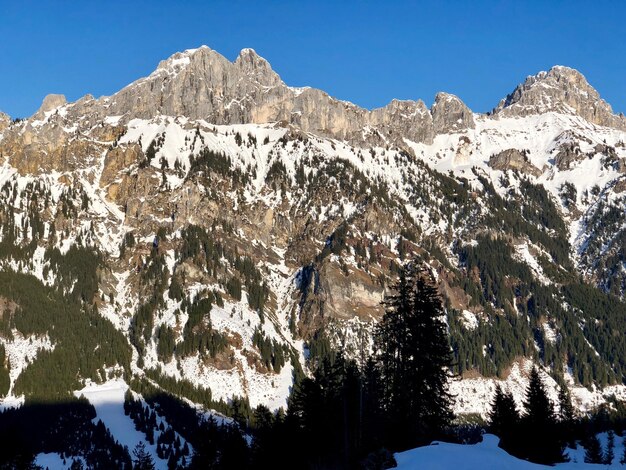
(364, 52)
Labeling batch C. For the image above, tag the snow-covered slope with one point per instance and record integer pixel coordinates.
(487, 455)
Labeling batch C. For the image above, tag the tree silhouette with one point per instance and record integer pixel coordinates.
(504, 418)
(593, 450)
(542, 443)
(143, 460)
(414, 357)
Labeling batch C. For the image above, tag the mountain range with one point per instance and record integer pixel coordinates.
(214, 232)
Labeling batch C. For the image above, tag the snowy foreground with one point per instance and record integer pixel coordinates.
(487, 455)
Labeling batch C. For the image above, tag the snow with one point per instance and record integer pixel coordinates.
(54, 461)
(444, 456)
(297, 91)
(470, 320)
(20, 352)
(487, 455)
(474, 395)
(108, 400)
(522, 253)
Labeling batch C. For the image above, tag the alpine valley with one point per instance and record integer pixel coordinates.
(208, 234)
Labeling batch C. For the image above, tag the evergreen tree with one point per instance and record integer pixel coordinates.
(504, 417)
(623, 460)
(414, 357)
(593, 450)
(541, 440)
(372, 415)
(143, 460)
(263, 423)
(566, 417)
(566, 409)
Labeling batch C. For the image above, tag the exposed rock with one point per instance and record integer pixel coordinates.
(5, 121)
(404, 118)
(513, 159)
(451, 115)
(50, 102)
(620, 186)
(202, 84)
(350, 295)
(569, 153)
(117, 159)
(562, 90)
(40, 149)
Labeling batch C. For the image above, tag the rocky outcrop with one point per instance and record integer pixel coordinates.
(50, 102)
(569, 153)
(347, 296)
(5, 121)
(410, 119)
(35, 148)
(513, 159)
(451, 115)
(117, 159)
(562, 90)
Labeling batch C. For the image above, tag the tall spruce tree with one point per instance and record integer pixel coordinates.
(542, 443)
(414, 358)
(504, 418)
(143, 460)
(593, 450)
(567, 419)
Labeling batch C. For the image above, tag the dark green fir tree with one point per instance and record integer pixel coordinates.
(542, 443)
(414, 357)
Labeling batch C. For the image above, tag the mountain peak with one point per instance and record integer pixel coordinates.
(253, 65)
(50, 102)
(563, 90)
(450, 114)
(248, 52)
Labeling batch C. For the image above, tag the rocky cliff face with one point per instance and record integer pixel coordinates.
(202, 84)
(451, 115)
(561, 90)
(5, 121)
(513, 159)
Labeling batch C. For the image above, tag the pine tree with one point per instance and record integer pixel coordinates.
(414, 357)
(143, 460)
(593, 450)
(541, 443)
(504, 417)
(623, 460)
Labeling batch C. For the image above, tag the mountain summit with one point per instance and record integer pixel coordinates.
(561, 90)
(202, 84)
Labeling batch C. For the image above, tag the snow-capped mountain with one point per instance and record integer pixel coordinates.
(227, 228)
